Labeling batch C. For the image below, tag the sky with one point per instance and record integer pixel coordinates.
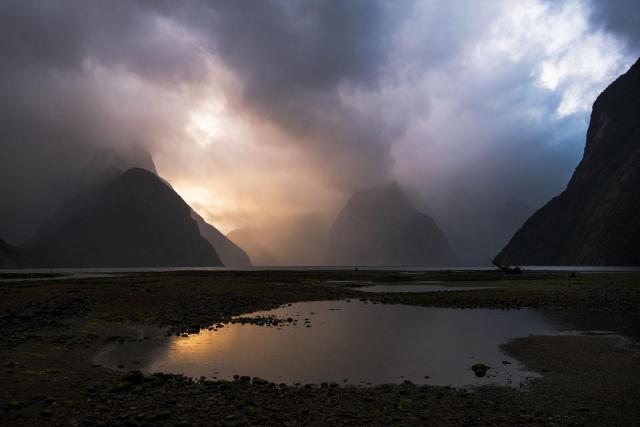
(262, 112)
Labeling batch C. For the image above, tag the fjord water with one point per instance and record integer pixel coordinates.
(431, 286)
(347, 342)
(401, 269)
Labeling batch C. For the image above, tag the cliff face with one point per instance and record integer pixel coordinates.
(380, 226)
(132, 220)
(595, 221)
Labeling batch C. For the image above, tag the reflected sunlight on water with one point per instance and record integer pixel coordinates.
(330, 341)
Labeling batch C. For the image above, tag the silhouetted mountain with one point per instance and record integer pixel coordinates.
(230, 253)
(130, 220)
(595, 220)
(379, 226)
(10, 256)
(38, 182)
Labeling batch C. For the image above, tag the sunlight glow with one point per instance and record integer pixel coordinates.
(208, 123)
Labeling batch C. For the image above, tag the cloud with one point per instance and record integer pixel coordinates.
(261, 111)
(621, 17)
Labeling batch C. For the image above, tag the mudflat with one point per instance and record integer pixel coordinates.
(52, 330)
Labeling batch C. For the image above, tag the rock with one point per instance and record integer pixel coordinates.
(13, 404)
(134, 377)
(480, 369)
(259, 381)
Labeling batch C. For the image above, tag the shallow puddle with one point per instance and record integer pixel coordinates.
(345, 342)
(421, 287)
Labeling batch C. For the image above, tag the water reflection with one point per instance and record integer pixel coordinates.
(359, 342)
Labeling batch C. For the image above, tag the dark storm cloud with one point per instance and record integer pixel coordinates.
(44, 36)
(621, 17)
(299, 45)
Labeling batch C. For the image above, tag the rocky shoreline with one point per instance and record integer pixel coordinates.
(50, 331)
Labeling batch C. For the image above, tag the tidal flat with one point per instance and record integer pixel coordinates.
(584, 371)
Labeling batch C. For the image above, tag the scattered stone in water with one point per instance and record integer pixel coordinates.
(506, 362)
(480, 369)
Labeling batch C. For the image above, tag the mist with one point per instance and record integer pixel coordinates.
(268, 115)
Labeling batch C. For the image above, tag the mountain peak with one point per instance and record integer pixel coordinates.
(380, 226)
(133, 220)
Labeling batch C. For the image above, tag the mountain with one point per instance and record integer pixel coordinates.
(132, 219)
(380, 226)
(10, 256)
(298, 241)
(595, 220)
(33, 187)
(230, 254)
